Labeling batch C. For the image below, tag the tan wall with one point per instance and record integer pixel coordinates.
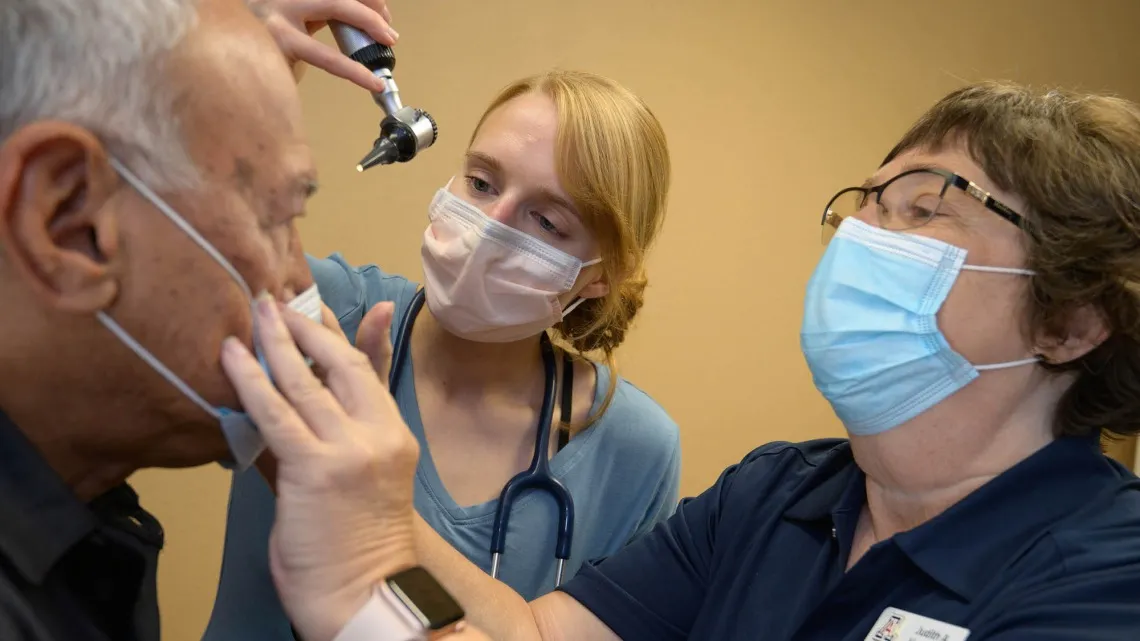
(770, 107)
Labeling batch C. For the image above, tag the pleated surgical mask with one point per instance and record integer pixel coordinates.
(870, 334)
(489, 282)
(244, 439)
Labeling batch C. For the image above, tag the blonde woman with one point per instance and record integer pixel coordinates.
(542, 231)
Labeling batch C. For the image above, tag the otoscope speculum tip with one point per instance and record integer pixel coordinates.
(383, 152)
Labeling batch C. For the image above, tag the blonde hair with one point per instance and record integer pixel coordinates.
(613, 161)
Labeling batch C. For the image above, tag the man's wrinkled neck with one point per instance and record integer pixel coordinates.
(63, 442)
(70, 431)
(90, 479)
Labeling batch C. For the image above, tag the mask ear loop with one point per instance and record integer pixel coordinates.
(1019, 363)
(572, 306)
(1016, 272)
(158, 366)
(180, 222)
(1000, 270)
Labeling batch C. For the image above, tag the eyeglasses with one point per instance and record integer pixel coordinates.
(907, 201)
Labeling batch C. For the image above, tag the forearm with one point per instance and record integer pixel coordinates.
(490, 605)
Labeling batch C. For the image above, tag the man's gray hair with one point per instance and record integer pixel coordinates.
(99, 64)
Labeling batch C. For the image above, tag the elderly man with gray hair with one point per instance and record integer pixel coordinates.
(152, 168)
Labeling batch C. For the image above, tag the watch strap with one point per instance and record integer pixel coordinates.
(385, 617)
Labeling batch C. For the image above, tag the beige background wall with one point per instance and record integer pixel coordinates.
(770, 107)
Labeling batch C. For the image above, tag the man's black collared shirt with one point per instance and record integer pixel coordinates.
(71, 571)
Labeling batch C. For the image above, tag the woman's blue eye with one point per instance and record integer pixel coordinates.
(546, 225)
(478, 184)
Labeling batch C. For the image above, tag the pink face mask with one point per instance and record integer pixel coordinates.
(489, 282)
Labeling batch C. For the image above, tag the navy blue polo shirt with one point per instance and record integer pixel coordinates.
(1047, 551)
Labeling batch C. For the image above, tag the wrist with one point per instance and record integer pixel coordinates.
(407, 606)
(336, 612)
(379, 566)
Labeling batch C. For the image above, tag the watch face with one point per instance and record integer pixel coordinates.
(419, 590)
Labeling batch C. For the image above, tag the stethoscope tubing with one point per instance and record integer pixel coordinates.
(538, 475)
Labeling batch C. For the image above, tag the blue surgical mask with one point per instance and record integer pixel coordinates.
(869, 333)
(244, 439)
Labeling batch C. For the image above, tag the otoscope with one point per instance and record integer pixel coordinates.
(404, 131)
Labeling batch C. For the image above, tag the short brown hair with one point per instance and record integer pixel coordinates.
(1075, 160)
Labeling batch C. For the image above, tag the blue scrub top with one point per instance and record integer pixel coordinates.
(1047, 551)
(623, 473)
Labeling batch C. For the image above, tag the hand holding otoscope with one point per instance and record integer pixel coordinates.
(361, 31)
(404, 131)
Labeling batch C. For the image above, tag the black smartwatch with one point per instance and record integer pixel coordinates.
(407, 606)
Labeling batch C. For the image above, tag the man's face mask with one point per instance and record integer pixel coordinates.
(245, 441)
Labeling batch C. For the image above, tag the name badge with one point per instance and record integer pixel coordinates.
(899, 625)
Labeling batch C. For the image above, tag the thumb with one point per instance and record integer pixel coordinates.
(374, 338)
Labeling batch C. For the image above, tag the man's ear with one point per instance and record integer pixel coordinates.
(1084, 331)
(56, 232)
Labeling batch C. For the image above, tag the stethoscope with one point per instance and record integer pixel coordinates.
(538, 475)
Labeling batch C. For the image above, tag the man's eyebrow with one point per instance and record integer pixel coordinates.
(304, 183)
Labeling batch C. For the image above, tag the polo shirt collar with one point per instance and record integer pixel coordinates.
(963, 546)
(42, 518)
(836, 486)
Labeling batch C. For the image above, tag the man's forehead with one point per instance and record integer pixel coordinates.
(240, 110)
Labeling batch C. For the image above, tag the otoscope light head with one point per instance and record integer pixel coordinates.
(402, 136)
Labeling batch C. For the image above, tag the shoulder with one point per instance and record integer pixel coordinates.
(773, 477)
(350, 291)
(1104, 535)
(1084, 578)
(791, 462)
(635, 422)
(1105, 602)
(1100, 545)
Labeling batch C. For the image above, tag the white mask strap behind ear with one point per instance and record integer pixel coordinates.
(572, 306)
(1019, 363)
(1000, 270)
